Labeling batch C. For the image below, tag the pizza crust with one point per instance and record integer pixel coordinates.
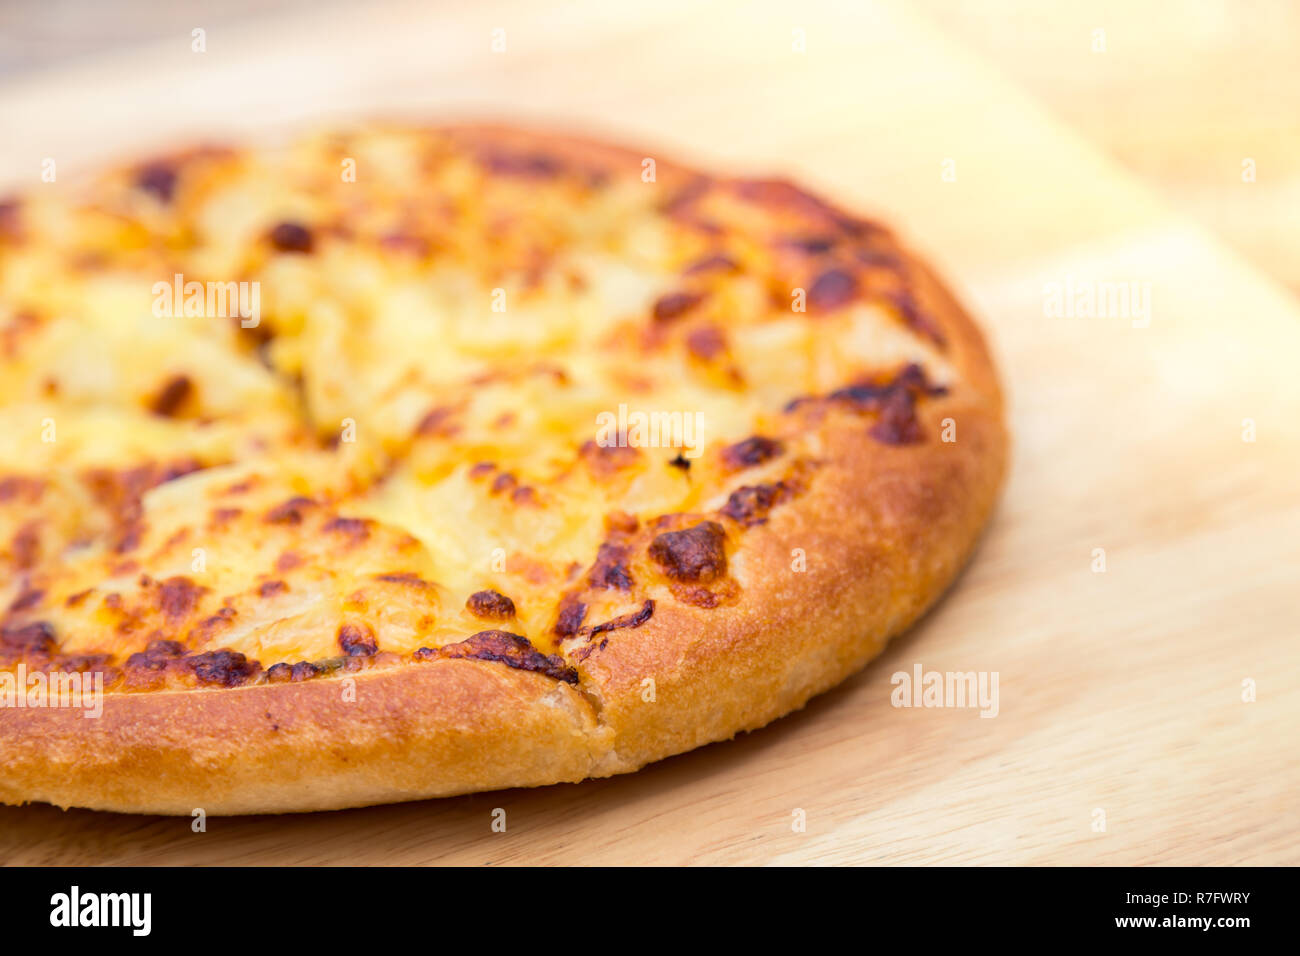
(884, 529)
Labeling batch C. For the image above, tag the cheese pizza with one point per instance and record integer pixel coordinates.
(397, 463)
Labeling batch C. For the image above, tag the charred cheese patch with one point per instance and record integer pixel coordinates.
(260, 421)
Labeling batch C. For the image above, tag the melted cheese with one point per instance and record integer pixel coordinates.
(503, 312)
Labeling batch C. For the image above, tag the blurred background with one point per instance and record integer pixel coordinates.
(1181, 94)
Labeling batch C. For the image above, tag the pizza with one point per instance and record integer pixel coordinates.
(395, 463)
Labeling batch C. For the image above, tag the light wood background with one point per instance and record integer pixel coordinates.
(1119, 691)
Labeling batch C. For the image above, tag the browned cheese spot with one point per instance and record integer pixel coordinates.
(36, 637)
(178, 596)
(288, 561)
(291, 511)
(717, 262)
(505, 648)
(490, 604)
(28, 597)
(610, 569)
(706, 343)
(357, 640)
(292, 673)
(675, 304)
(832, 289)
(750, 505)
(750, 452)
(692, 555)
(569, 621)
(437, 422)
(525, 165)
(156, 656)
(605, 461)
(291, 237)
(157, 179)
(634, 619)
(894, 403)
(172, 396)
(209, 626)
(223, 668)
(409, 578)
(356, 529)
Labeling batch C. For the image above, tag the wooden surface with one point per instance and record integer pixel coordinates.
(1182, 94)
(1119, 691)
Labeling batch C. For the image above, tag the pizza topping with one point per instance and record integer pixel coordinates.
(271, 588)
(208, 627)
(752, 451)
(897, 424)
(37, 636)
(120, 492)
(288, 561)
(295, 673)
(749, 506)
(21, 486)
(610, 569)
(223, 668)
(527, 165)
(291, 511)
(177, 596)
(893, 401)
(28, 597)
(910, 309)
(675, 304)
(357, 640)
(695, 554)
(783, 195)
(437, 422)
(83, 663)
(157, 655)
(811, 245)
(505, 648)
(570, 618)
(291, 237)
(10, 219)
(605, 460)
(696, 597)
(620, 522)
(405, 577)
(634, 619)
(358, 529)
(685, 197)
(706, 342)
(718, 262)
(694, 319)
(172, 396)
(158, 179)
(832, 289)
(490, 604)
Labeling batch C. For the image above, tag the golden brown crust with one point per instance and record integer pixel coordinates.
(873, 536)
(405, 733)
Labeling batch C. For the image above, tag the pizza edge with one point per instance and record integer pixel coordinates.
(444, 727)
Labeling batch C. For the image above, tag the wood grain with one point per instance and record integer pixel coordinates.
(1181, 94)
(1119, 690)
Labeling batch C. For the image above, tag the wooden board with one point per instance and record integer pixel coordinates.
(1119, 691)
